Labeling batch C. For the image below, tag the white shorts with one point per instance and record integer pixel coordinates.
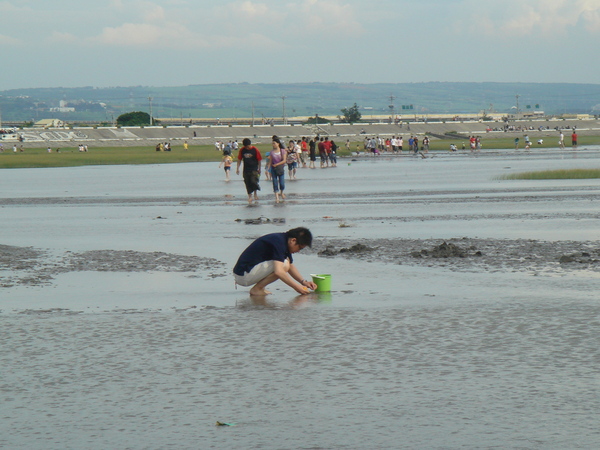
(258, 272)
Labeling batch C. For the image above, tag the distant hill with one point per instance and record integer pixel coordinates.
(245, 100)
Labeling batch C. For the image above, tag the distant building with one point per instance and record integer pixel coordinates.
(63, 108)
(49, 123)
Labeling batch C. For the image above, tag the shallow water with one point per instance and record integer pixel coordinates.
(397, 356)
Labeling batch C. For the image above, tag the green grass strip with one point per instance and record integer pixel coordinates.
(567, 174)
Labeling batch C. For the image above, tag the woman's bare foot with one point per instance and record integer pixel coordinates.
(259, 291)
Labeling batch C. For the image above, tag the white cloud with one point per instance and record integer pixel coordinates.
(546, 18)
(152, 12)
(251, 10)
(58, 37)
(326, 17)
(8, 41)
(144, 35)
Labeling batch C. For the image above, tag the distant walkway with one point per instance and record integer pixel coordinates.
(206, 135)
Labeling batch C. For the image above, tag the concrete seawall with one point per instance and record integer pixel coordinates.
(202, 135)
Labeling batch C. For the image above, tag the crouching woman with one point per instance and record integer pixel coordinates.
(269, 258)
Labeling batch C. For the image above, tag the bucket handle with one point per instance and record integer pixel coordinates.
(317, 277)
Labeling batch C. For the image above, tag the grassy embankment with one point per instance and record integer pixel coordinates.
(71, 157)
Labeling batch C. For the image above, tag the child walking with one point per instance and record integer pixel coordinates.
(226, 162)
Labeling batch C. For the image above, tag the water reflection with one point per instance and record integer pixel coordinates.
(298, 302)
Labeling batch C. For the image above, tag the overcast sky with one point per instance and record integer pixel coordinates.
(74, 43)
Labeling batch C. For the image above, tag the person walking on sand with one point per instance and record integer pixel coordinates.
(278, 160)
(333, 154)
(269, 258)
(303, 152)
(312, 151)
(292, 160)
(226, 163)
(561, 141)
(322, 152)
(251, 158)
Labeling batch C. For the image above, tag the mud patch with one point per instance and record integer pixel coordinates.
(466, 254)
(131, 261)
(445, 250)
(26, 266)
(262, 220)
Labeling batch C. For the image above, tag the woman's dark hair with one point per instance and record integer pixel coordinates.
(302, 235)
(246, 142)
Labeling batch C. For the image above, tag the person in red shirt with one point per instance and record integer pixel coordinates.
(574, 139)
(327, 147)
(322, 151)
(304, 154)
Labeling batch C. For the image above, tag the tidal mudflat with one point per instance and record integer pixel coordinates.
(464, 310)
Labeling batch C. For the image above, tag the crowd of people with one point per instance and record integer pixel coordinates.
(291, 156)
(15, 149)
(395, 145)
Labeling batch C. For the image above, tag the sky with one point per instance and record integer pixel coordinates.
(74, 43)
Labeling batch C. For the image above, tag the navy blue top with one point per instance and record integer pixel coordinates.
(270, 247)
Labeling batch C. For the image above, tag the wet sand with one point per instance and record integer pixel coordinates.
(463, 314)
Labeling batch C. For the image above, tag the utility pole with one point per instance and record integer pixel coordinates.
(283, 97)
(392, 98)
(150, 101)
(517, 96)
(252, 113)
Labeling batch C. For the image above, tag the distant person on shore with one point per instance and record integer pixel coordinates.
(574, 139)
(292, 159)
(426, 144)
(327, 145)
(269, 258)
(251, 158)
(304, 152)
(561, 140)
(333, 154)
(312, 152)
(516, 143)
(322, 151)
(226, 163)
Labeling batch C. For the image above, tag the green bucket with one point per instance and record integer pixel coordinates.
(323, 282)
